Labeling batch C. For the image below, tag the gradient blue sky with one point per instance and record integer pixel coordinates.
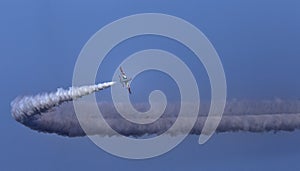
(258, 43)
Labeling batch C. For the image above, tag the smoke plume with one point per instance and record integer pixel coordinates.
(27, 106)
(54, 113)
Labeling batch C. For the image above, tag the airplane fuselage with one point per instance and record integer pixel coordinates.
(125, 80)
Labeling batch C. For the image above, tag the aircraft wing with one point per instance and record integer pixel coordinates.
(129, 90)
(128, 87)
(122, 71)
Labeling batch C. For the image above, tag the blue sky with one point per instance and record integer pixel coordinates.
(258, 43)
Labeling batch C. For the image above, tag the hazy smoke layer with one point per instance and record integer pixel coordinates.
(48, 113)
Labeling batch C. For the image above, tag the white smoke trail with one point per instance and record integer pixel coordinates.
(40, 113)
(27, 106)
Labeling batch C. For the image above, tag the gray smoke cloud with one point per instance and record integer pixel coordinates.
(54, 113)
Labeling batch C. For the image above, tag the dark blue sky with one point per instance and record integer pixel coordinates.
(258, 43)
